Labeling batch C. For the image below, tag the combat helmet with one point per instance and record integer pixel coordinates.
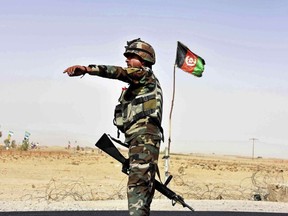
(142, 49)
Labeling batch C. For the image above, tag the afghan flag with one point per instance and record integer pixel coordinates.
(189, 61)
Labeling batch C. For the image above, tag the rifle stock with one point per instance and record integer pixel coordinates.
(106, 145)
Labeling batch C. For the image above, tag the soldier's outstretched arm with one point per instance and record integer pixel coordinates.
(132, 75)
(128, 75)
(112, 72)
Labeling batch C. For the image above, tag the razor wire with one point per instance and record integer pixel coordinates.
(255, 187)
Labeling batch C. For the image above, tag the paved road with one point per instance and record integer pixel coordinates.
(125, 213)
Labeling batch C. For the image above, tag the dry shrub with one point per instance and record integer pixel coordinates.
(277, 193)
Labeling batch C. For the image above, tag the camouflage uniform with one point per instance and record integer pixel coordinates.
(143, 136)
(138, 115)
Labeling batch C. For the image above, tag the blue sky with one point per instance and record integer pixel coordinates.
(243, 92)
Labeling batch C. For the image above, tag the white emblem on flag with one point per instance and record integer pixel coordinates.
(190, 61)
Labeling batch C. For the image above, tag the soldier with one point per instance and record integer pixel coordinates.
(138, 115)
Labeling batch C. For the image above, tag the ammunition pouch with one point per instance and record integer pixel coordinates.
(127, 112)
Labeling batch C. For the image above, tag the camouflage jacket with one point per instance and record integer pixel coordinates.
(142, 81)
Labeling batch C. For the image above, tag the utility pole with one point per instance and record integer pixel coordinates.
(253, 146)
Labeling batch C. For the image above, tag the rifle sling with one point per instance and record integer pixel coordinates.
(118, 141)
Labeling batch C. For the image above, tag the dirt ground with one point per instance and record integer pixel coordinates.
(59, 174)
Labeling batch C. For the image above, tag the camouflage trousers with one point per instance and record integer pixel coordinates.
(143, 158)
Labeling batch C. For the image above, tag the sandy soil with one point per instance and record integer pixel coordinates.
(58, 178)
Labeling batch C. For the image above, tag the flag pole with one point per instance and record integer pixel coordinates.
(171, 110)
(167, 151)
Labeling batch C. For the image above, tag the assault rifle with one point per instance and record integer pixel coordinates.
(106, 145)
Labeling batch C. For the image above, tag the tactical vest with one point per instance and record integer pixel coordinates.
(147, 104)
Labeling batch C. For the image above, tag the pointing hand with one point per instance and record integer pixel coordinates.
(77, 70)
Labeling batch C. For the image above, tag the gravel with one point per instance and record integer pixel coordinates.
(157, 205)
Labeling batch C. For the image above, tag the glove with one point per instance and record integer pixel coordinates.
(77, 70)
